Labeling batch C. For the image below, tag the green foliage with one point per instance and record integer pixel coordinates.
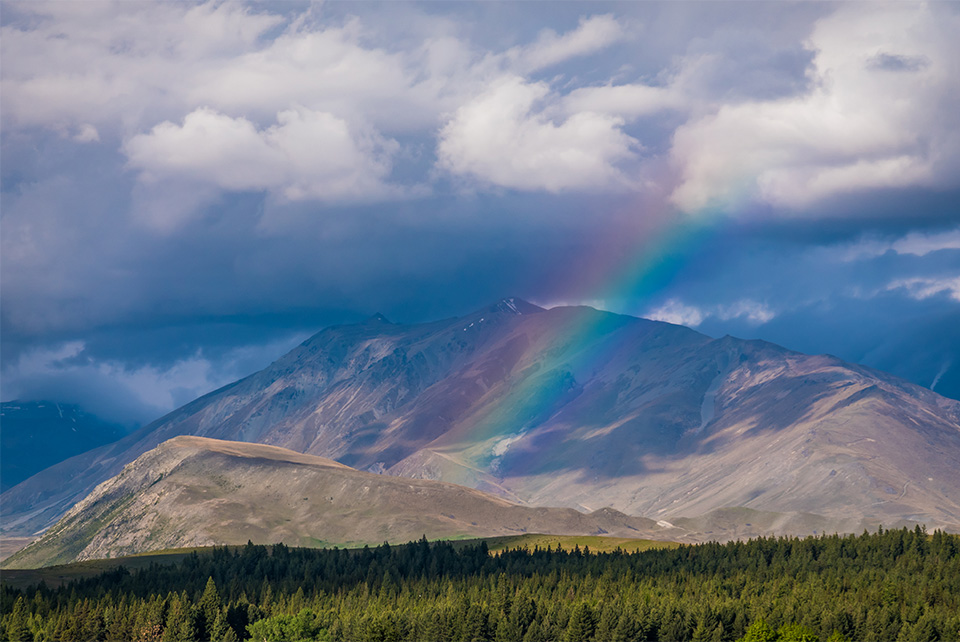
(581, 626)
(759, 631)
(17, 628)
(894, 585)
(288, 628)
(796, 633)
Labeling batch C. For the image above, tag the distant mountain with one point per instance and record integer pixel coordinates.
(38, 434)
(580, 408)
(192, 491)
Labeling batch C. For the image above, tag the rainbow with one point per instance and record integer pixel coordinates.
(662, 246)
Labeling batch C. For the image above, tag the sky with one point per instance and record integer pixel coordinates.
(190, 189)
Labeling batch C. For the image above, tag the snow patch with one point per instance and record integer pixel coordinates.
(501, 447)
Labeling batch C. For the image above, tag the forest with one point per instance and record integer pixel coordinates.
(890, 585)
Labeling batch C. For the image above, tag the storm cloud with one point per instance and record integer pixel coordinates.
(189, 189)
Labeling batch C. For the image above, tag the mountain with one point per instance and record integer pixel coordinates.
(39, 434)
(193, 491)
(579, 408)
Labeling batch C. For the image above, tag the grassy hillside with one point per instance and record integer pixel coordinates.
(193, 491)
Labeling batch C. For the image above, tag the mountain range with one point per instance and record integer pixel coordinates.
(38, 434)
(573, 407)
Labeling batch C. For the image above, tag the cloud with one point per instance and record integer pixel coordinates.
(924, 287)
(942, 371)
(629, 101)
(593, 34)
(336, 69)
(677, 312)
(306, 154)
(504, 137)
(130, 394)
(914, 243)
(860, 127)
(183, 165)
(87, 133)
(751, 311)
(893, 62)
(108, 63)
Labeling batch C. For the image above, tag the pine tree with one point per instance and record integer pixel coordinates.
(507, 630)
(180, 626)
(609, 617)
(218, 628)
(581, 625)
(759, 631)
(18, 629)
(626, 629)
(796, 633)
(209, 608)
(534, 633)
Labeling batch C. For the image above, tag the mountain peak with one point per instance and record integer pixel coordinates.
(378, 318)
(516, 305)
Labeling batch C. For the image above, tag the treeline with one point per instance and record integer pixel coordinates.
(893, 585)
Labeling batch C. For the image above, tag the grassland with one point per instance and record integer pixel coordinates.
(597, 543)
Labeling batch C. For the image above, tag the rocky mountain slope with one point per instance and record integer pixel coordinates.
(193, 491)
(580, 408)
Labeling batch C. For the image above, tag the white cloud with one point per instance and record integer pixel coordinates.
(680, 313)
(925, 287)
(593, 34)
(629, 101)
(110, 63)
(330, 69)
(67, 373)
(920, 244)
(306, 154)
(884, 86)
(752, 311)
(505, 137)
(87, 133)
(598, 304)
(915, 243)
(862, 125)
(677, 312)
(240, 98)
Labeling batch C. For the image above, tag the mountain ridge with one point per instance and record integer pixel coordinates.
(195, 491)
(576, 407)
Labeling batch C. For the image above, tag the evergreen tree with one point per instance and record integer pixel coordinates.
(759, 631)
(208, 610)
(626, 629)
(18, 629)
(796, 633)
(180, 625)
(218, 629)
(581, 625)
(508, 631)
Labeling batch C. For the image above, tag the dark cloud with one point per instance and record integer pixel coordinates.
(895, 62)
(138, 271)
